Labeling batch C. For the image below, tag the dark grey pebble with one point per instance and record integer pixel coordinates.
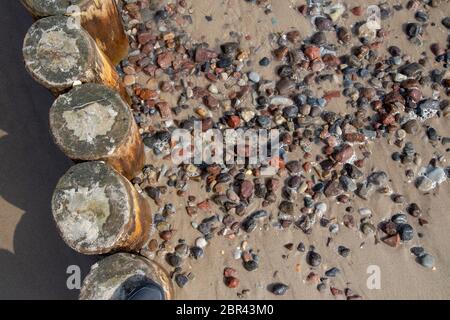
(446, 22)
(417, 251)
(426, 260)
(313, 259)
(264, 62)
(197, 252)
(333, 272)
(399, 218)
(343, 251)
(251, 265)
(279, 289)
(181, 280)
(301, 247)
(413, 29)
(406, 232)
(174, 260)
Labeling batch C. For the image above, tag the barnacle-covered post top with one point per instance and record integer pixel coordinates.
(122, 275)
(100, 18)
(93, 122)
(97, 210)
(58, 54)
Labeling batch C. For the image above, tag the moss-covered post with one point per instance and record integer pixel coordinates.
(93, 122)
(117, 276)
(58, 55)
(98, 211)
(101, 18)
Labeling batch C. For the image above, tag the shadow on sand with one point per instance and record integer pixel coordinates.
(30, 166)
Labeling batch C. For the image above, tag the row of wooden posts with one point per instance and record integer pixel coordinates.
(73, 51)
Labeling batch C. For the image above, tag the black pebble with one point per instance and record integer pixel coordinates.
(279, 289)
(264, 62)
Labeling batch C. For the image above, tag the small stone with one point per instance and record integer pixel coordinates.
(213, 89)
(174, 260)
(232, 282)
(264, 62)
(411, 126)
(197, 252)
(201, 242)
(426, 260)
(406, 232)
(279, 289)
(417, 251)
(323, 24)
(446, 22)
(129, 80)
(312, 53)
(246, 189)
(343, 251)
(392, 241)
(251, 265)
(357, 11)
(254, 77)
(313, 259)
(379, 178)
(165, 60)
(294, 166)
(234, 121)
(181, 280)
(203, 55)
(424, 184)
(413, 29)
(333, 272)
(301, 247)
(344, 153)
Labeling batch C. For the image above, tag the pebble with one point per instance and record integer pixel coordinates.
(343, 251)
(281, 101)
(424, 184)
(251, 265)
(446, 22)
(313, 259)
(279, 289)
(181, 280)
(201, 242)
(197, 252)
(264, 62)
(333, 272)
(426, 260)
(406, 232)
(254, 77)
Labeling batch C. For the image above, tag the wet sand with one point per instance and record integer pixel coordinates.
(401, 276)
(33, 258)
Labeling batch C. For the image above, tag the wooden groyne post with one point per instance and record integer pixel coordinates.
(93, 122)
(59, 55)
(114, 278)
(98, 211)
(100, 18)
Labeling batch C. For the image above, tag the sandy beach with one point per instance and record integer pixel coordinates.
(34, 259)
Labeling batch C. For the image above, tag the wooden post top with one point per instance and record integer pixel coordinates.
(90, 122)
(57, 54)
(92, 207)
(45, 8)
(115, 276)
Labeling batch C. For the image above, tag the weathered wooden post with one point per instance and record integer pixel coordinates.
(120, 275)
(97, 210)
(92, 122)
(101, 18)
(58, 54)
